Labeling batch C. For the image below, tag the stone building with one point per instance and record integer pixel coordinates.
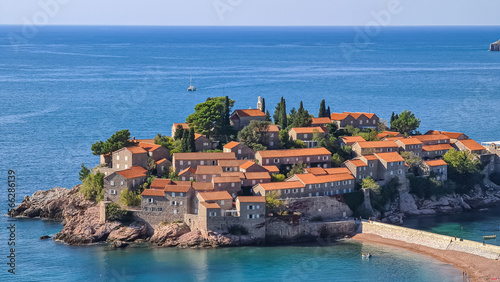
(439, 167)
(128, 179)
(372, 147)
(381, 167)
(205, 173)
(231, 184)
(358, 120)
(412, 145)
(181, 161)
(471, 146)
(307, 135)
(284, 159)
(350, 140)
(187, 174)
(240, 150)
(435, 151)
(242, 118)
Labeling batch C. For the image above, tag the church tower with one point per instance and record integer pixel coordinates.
(259, 104)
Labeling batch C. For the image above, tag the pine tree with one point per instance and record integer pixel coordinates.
(263, 105)
(185, 142)
(328, 113)
(191, 143)
(283, 118)
(277, 112)
(392, 119)
(268, 116)
(322, 110)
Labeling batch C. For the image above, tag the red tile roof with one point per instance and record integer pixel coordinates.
(356, 115)
(316, 170)
(357, 162)
(257, 175)
(431, 137)
(377, 144)
(208, 169)
(321, 120)
(293, 153)
(239, 174)
(454, 135)
(160, 161)
(435, 163)
(390, 157)
(273, 128)
(210, 205)
(204, 156)
(177, 188)
(203, 186)
(153, 192)
(232, 163)
(247, 164)
(388, 134)
(215, 196)
(133, 172)
(148, 146)
(251, 199)
(226, 179)
(439, 147)
(352, 139)
(136, 150)
(160, 183)
(337, 170)
(271, 168)
(370, 157)
(231, 144)
(410, 141)
(307, 130)
(188, 170)
(390, 138)
(281, 185)
(196, 136)
(250, 113)
(309, 178)
(184, 125)
(471, 145)
(337, 116)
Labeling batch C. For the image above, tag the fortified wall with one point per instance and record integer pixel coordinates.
(428, 239)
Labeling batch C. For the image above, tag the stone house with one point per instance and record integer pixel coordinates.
(342, 119)
(231, 184)
(286, 158)
(321, 121)
(242, 118)
(163, 166)
(325, 171)
(435, 151)
(181, 161)
(390, 165)
(251, 166)
(272, 140)
(439, 167)
(357, 119)
(432, 139)
(286, 189)
(187, 174)
(128, 157)
(240, 150)
(454, 136)
(251, 207)
(471, 146)
(323, 185)
(253, 178)
(221, 198)
(205, 173)
(128, 179)
(372, 147)
(202, 143)
(272, 169)
(168, 199)
(410, 145)
(231, 165)
(350, 140)
(380, 167)
(307, 134)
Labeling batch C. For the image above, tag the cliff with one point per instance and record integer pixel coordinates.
(495, 46)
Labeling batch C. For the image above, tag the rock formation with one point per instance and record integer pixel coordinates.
(495, 46)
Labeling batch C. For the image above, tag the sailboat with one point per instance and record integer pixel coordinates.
(191, 87)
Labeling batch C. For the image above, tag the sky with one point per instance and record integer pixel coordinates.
(250, 12)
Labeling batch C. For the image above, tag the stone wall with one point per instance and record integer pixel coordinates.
(324, 206)
(429, 239)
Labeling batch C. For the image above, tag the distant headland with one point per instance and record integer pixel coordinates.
(495, 46)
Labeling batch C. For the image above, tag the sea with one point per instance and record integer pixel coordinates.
(64, 87)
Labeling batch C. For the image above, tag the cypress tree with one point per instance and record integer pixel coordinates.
(263, 105)
(322, 110)
(328, 113)
(268, 116)
(179, 132)
(185, 141)
(277, 112)
(301, 108)
(191, 144)
(226, 112)
(283, 119)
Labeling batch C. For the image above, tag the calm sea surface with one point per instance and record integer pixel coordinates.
(66, 87)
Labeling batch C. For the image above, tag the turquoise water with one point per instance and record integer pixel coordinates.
(67, 87)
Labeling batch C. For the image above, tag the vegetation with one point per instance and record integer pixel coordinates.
(426, 187)
(129, 198)
(179, 132)
(165, 141)
(412, 160)
(280, 117)
(93, 187)
(381, 195)
(464, 169)
(297, 168)
(237, 230)
(255, 135)
(274, 204)
(277, 177)
(117, 141)
(299, 118)
(285, 139)
(211, 118)
(405, 123)
(322, 109)
(115, 213)
(84, 172)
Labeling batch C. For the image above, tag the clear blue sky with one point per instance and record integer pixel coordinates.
(249, 12)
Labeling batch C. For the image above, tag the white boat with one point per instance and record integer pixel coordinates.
(366, 255)
(191, 87)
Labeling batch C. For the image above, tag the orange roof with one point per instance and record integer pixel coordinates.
(390, 157)
(293, 153)
(390, 138)
(257, 175)
(454, 135)
(377, 144)
(215, 196)
(309, 178)
(231, 144)
(177, 188)
(247, 165)
(251, 199)
(472, 145)
(160, 161)
(306, 130)
(337, 170)
(153, 192)
(187, 170)
(352, 139)
(316, 170)
(209, 169)
(231, 163)
(273, 128)
(438, 147)
(436, 163)
(203, 186)
(388, 134)
(150, 141)
(370, 157)
(184, 125)
(357, 162)
(204, 156)
(196, 136)
(250, 113)
(410, 141)
(210, 205)
(271, 168)
(148, 146)
(239, 174)
(160, 183)
(431, 137)
(133, 172)
(356, 115)
(337, 116)
(321, 120)
(226, 179)
(136, 150)
(281, 185)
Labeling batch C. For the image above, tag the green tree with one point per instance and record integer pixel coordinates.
(464, 169)
(179, 132)
(369, 183)
(191, 142)
(284, 139)
(277, 112)
(164, 141)
(337, 160)
(328, 112)
(406, 123)
(115, 213)
(255, 135)
(185, 141)
(277, 177)
(117, 141)
(298, 144)
(264, 106)
(297, 168)
(273, 203)
(322, 109)
(93, 187)
(129, 198)
(412, 160)
(84, 172)
(393, 117)
(283, 117)
(268, 116)
(302, 118)
(210, 117)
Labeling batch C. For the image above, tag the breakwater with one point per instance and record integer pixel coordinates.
(428, 239)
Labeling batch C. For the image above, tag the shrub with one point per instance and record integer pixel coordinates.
(277, 177)
(130, 198)
(93, 187)
(115, 213)
(237, 230)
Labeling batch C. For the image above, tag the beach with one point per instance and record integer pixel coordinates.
(478, 268)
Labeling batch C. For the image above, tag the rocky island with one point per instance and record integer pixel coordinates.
(495, 46)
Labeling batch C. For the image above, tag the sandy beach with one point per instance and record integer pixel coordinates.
(479, 268)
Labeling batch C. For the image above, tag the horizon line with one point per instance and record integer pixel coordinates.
(148, 25)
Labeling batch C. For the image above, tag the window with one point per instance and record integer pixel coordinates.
(371, 173)
(272, 134)
(232, 184)
(326, 185)
(121, 183)
(400, 171)
(183, 178)
(250, 207)
(160, 209)
(175, 211)
(337, 191)
(150, 200)
(308, 159)
(181, 194)
(301, 189)
(181, 162)
(276, 160)
(173, 194)
(392, 164)
(295, 190)
(305, 135)
(338, 183)
(126, 166)
(317, 194)
(112, 192)
(220, 184)
(173, 203)
(205, 144)
(310, 186)
(204, 177)
(253, 182)
(371, 165)
(112, 183)
(118, 166)
(392, 172)
(360, 168)
(202, 162)
(222, 202)
(344, 190)
(239, 151)
(349, 181)
(117, 158)
(325, 158)
(360, 122)
(349, 190)
(310, 194)
(271, 143)
(153, 209)
(181, 203)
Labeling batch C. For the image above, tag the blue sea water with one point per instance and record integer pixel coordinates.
(66, 87)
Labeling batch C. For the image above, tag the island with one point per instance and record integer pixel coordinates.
(243, 177)
(495, 46)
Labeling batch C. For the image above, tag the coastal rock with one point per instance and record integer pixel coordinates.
(495, 46)
(44, 237)
(128, 233)
(118, 244)
(407, 203)
(164, 233)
